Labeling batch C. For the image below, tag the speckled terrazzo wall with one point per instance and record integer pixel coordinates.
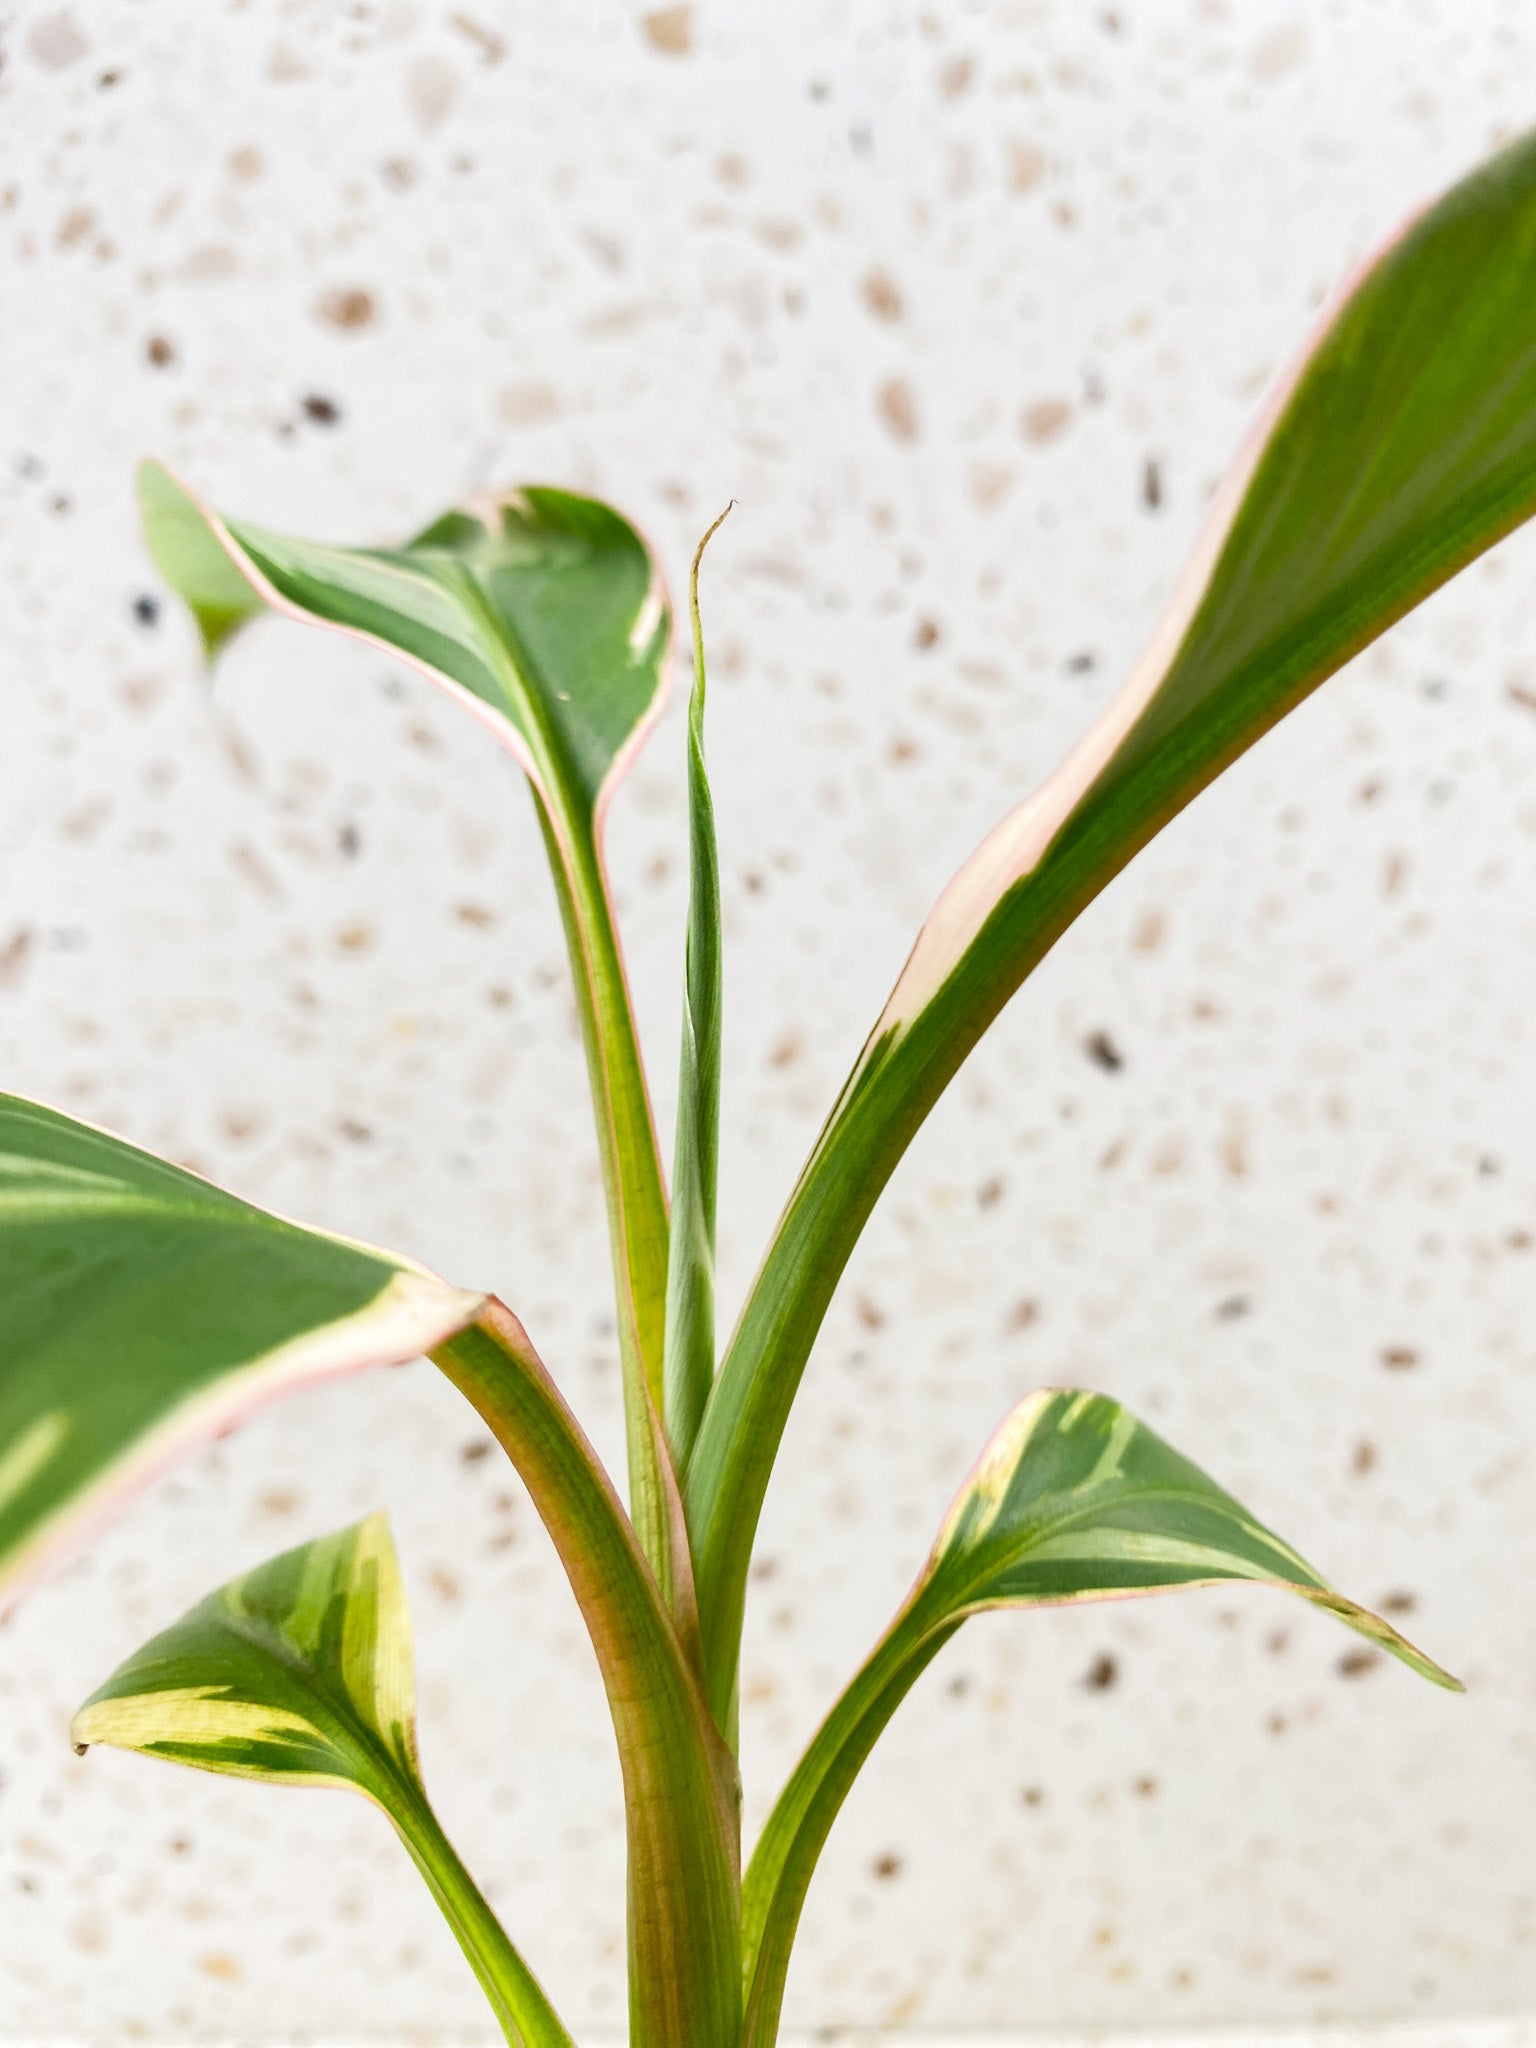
(966, 306)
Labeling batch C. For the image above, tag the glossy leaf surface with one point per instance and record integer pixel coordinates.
(542, 612)
(1072, 1500)
(690, 1349)
(300, 1673)
(1399, 446)
(143, 1309)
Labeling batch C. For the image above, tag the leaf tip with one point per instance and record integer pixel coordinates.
(184, 541)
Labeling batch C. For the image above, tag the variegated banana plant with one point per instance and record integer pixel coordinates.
(143, 1309)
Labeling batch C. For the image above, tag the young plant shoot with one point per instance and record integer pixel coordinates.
(143, 1310)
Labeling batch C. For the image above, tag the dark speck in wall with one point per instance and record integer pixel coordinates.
(1399, 1357)
(1152, 483)
(1233, 1309)
(887, 1865)
(1104, 1052)
(160, 352)
(1080, 663)
(146, 609)
(1101, 1674)
(325, 412)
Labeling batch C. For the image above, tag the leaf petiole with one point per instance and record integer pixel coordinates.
(527, 2018)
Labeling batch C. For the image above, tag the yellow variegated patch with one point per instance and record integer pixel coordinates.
(300, 1671)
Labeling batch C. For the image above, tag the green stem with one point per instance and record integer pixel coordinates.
(796, 1831)
(527, 2018)
(632, 1181)
(621, 1103)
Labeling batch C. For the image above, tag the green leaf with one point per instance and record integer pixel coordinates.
(690, 1345)
(300, 1673)
(143, 1310)
(682, 1795)
(543, 613)
(1072, 1500)
(1399, 446)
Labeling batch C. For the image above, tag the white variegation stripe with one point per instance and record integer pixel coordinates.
(194, 1715)
(32, 1452)
(1138, 1546)
(642, 629)
(1122, 1432)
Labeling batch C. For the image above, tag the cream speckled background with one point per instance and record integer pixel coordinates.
(945, 295)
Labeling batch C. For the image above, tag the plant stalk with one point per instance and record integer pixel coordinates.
(526, 2016)
(681, 1790)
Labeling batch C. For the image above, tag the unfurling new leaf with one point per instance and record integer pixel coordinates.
(690, 1350)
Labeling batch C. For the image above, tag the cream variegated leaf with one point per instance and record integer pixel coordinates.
(1073, 1500)
(301, 1673)
(142, 1310)
(1399, 445)
(543, 613)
